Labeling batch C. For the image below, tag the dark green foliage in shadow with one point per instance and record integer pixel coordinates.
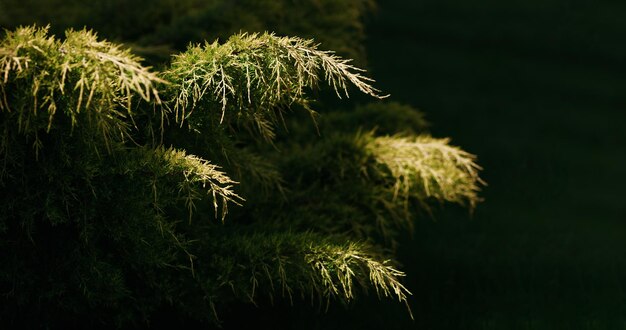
(158, 28)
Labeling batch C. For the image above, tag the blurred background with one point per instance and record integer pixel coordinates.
(534, 88)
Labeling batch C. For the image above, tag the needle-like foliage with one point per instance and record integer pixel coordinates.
(89, 81)
(251, 78)
(306, 264)
(424, 167)
(194, 178)
(373, 186)
(113, 176)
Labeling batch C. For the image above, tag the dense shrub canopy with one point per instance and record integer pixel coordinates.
(118, 180)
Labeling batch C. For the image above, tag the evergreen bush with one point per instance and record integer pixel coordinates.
(127, 191)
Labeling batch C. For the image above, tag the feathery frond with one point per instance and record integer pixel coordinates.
(251, 78)
(91, 82)
(194, 177)
(425, 167)
(306, 263)
(339, 266)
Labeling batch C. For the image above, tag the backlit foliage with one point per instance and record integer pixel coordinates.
(253, 77)
(423, 167)
(42, 75)
(117, 174)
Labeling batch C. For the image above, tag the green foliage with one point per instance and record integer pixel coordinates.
(423, 167)
(117, 175)
(372, 186)
(90, 81)
(307, 264)
(251, 77)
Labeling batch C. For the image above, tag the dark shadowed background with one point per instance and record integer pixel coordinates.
(536, 90)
